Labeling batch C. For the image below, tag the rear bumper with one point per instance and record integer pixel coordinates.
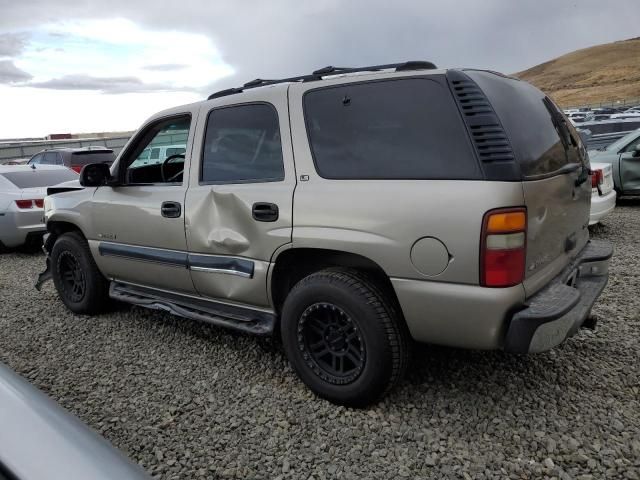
(17, 227)
(557, 311)
(601, 206)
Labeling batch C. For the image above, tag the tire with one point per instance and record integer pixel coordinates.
(80, 285)
(344, 337)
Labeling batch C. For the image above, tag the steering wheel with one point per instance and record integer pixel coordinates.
(166, 161)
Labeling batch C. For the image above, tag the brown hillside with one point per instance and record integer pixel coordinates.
(604, 73)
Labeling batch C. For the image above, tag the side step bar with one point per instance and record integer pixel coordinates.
(247, 320)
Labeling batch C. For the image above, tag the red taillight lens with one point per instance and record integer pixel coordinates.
(503, 243)
(24, 204)
(503, 268)
(76, 168)
(597, 178)
(39, 202)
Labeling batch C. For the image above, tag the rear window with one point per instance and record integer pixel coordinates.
(391, 129)
(85, 158)
(526, 115)
(40, 178)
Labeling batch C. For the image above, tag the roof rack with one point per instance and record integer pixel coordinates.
(325, 71)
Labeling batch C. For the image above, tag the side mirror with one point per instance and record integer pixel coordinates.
(95, 175)
(636, 151)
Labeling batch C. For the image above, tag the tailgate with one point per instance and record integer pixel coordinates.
(558, 217)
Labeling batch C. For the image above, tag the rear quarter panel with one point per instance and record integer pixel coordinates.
(383, 219)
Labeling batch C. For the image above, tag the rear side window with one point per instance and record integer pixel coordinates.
(392, 129)
(242, 144)
(40, 178)
(527, 117)
(51, 158)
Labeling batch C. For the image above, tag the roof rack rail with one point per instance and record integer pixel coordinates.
(325, 71)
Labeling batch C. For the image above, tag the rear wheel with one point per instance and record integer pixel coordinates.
(81, 286)
(344, 337)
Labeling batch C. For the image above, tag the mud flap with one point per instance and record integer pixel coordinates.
(44, 276)
(47, 243)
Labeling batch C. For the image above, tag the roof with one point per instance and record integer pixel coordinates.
(78, 149)
(324, 72)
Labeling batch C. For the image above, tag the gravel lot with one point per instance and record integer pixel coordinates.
(188, 400)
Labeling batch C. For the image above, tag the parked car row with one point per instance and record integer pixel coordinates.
(585, 114)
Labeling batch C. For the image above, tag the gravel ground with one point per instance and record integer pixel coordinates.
(187, 400)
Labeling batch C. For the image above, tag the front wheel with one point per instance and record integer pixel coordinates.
(81, 286)
(344, 337)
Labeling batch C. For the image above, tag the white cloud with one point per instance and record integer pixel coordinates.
(38, 112)
(119, 45)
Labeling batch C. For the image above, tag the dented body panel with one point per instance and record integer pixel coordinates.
(219, 218)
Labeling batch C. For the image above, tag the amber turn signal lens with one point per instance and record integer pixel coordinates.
(506, 222)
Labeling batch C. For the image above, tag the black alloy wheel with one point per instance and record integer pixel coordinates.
(331, 343)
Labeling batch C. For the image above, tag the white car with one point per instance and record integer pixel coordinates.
(603, 196)
(633, 112)
(22, 192)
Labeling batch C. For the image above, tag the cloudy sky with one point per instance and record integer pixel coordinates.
(96, 65)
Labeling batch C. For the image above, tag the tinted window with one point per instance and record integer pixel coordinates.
(50, 158)
(527, 118)
(632, 146)
(85, 158)
(242, 144)
(175, 151)
(40, 178)
(406, 128)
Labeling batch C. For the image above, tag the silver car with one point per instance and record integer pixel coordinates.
(22, 192)
(40, 440)
(624, 157)
(350, 211)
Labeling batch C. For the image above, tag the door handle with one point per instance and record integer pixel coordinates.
(171, 209)
(265, 212)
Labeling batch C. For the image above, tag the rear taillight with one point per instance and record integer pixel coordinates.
(597, 177)
(76, 168)
(26, 204)
(503, 247)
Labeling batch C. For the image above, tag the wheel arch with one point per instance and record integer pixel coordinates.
(57, 228)
(293, 264)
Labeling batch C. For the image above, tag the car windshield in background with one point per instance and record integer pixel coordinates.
(40, 178)
(622, 142)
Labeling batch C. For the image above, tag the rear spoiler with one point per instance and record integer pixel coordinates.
(54, 190)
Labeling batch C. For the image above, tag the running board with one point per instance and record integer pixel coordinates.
(247, 320)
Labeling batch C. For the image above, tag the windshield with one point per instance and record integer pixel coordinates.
(622, 142)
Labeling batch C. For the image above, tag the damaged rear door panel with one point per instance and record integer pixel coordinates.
(240, 199)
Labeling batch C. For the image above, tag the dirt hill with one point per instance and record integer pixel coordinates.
(603, 73)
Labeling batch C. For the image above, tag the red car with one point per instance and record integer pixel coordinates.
(73, 158)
